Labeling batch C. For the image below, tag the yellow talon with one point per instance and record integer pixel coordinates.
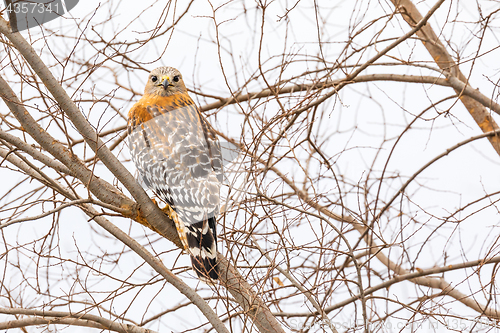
(181, 230)
(169, 211)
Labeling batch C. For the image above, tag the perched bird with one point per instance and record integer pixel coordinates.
(178, 157)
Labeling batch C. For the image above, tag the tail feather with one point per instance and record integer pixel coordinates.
(202, 242)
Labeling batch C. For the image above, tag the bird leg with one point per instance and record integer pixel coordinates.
(181, 230)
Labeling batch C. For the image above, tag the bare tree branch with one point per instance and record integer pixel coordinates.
(444, 60)
(38, 317)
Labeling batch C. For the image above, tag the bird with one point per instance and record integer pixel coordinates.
(178, 156)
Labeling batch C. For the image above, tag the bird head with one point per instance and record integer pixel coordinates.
(165, 81)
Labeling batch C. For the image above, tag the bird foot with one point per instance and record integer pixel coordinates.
(170, 212)
(167, 210)
(181, 231)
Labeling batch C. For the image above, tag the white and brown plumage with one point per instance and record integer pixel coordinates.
(178, 157)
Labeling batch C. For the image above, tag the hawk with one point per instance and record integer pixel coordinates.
(178, 157)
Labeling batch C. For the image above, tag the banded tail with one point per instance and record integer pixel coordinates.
(202, 243)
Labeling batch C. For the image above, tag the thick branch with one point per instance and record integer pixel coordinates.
(242, 291)
(444, 60)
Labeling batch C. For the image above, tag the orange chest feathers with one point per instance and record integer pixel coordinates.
(150, 106)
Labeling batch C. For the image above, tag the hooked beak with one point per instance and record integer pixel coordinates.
(165, 82)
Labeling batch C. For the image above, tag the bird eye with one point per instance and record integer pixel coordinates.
(154, 78)
(176, 78)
